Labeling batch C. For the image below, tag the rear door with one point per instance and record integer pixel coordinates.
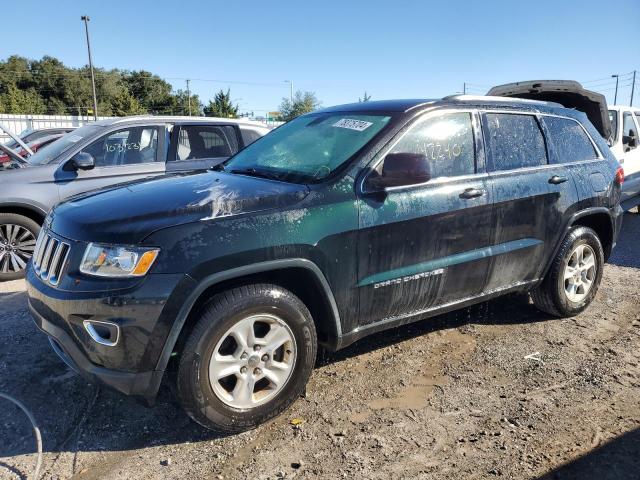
(200, 147)
(122, 155)
(424, 245)
(531, 196)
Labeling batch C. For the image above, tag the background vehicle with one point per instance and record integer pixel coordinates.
(31, 135)
(34, 145)
(625, 143)
(338, 224)
(103, 154)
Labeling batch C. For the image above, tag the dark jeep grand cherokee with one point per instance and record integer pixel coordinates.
(341, 223)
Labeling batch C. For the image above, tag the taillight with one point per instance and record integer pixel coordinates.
(620, 176)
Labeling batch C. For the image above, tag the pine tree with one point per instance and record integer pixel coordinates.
(221, 106)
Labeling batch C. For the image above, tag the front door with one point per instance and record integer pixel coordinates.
(120, 156)
(425, 245)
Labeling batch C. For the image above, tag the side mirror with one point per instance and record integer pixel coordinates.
(400, 169)
(81, 161)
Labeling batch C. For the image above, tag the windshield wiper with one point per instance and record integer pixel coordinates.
(257, 173)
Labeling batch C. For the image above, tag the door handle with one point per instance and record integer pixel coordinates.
(471, 193)
(556, 180)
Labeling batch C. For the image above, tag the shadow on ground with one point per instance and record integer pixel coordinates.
(627, 251)
(615, 460)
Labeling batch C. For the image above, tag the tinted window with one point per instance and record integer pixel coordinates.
(446, 141)
(205, 141)
(515, 141)
(249, 135)
(125, 147)
(570, 141)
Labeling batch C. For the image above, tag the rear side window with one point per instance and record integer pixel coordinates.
(570, 142)
(249, 135)
(515, 141)
(445, 140)
(206, 141)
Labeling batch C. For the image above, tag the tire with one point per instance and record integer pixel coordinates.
(13, 260)
(552, 296)
(215, 405)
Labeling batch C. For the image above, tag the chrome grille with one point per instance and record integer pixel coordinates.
(49, 257)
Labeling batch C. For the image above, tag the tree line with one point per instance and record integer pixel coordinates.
(47, 86)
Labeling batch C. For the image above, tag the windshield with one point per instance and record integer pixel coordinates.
(308, 148)
(613, 117)
(52, 151)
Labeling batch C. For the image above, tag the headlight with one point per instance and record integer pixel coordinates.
(115, 261)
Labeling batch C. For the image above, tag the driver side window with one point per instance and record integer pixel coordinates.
(125, 147)
(629, 130)
(445, 140)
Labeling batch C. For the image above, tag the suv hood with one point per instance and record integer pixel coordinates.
(130, 212)
(568, 93)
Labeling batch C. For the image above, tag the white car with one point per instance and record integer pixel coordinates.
(625, 145)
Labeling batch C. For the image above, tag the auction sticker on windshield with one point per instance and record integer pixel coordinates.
(358, 125)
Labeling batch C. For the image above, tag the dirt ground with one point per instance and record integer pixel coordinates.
(497, 390)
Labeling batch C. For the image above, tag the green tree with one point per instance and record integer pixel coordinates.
(365, 97)
(303, 102)
(14, 100)
(152, 93)
(180, 104)
(221, 106)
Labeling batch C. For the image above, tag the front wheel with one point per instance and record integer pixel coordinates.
(574, 277)
(247, 359)
(18, 236)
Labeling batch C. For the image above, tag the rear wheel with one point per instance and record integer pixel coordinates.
(247, 359)
(18, 236)
(574, 276)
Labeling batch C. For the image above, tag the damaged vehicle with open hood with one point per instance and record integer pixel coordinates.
(341, 223)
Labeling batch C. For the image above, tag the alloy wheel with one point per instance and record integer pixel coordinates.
(16, 247)
(579, 273)
(253, 361)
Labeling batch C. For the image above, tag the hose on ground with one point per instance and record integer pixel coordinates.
(36, 430)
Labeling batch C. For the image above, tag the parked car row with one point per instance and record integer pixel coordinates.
(33, 145)
(343, 222)
(104, 154)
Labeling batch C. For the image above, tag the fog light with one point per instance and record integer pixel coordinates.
(104, 333)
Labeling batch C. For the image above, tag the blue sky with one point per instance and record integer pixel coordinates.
(339, 49)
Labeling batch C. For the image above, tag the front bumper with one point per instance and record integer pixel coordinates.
(144, 313)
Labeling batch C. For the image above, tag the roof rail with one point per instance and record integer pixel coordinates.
(487, 98)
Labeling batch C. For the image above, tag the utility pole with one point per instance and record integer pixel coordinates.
(189, 96)
(290, 90)
(615, 96)
(464, 88)
(85, 19)
(633, 87)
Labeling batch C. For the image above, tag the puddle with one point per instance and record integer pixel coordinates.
(448, 346)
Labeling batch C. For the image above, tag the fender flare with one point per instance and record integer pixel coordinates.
(261, 267)
(570, 223)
